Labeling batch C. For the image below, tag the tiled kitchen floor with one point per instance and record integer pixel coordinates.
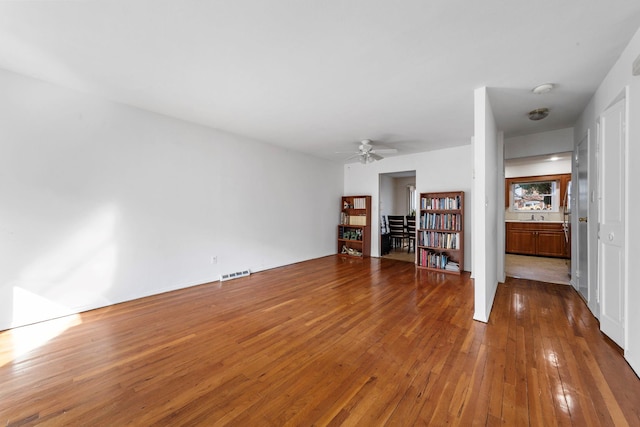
(550, 270)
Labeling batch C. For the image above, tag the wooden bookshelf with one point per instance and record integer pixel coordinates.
(354, 230)
(440, 232)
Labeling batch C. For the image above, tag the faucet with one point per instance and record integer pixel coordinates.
(532, 218)
(541, 217)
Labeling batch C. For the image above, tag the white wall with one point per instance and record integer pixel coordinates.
(103, 203)
(535, 168)
(617, 81)
(401, 194)
(488, 209)
(555, 141)
(433, 173)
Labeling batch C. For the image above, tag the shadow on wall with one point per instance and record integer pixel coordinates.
(74, 273)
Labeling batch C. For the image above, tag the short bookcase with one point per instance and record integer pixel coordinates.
(354, 230)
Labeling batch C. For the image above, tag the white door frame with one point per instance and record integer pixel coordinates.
(612, 218)
(580, 208)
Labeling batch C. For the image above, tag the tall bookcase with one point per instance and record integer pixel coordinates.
(440, 235)
(354, 230)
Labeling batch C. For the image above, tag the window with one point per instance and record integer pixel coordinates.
(543, 192)
(411, 197)
(535, 196)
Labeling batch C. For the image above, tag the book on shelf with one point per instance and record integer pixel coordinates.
(344, 218)
(441, 261)
(452, 266)
(436, 239)
(432, 259)
(440, 203)
(439, 221)
(359, 203)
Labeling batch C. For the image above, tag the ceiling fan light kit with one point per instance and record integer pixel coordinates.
(368, 154)
(365, 158)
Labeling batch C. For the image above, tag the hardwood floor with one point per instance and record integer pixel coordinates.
(331, 341)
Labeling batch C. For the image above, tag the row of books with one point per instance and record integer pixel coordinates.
(352, 219)
(427, 258)
(440, 221)
(435, 239)
(440, 203)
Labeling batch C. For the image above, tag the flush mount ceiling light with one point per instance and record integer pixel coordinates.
(543, 88)
(538, 114)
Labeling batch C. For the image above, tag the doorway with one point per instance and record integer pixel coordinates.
(397, 196)
(549, 207)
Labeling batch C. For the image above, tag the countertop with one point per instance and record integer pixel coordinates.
(537, 221)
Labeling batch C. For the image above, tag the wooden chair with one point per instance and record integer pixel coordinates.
(411, 232)
(384, 229)
(396, 230)
(385, 239)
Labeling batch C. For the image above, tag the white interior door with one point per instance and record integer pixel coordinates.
(581, 208)
(611, 245)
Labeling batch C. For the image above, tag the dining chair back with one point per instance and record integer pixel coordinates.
(397, 231)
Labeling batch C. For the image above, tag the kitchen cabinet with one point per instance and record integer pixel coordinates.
(537, 238)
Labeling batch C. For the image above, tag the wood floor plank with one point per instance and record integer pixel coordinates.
(325, 342)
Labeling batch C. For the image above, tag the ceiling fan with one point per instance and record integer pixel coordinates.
(367, 153)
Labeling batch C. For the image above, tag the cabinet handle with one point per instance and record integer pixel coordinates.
(582, 219)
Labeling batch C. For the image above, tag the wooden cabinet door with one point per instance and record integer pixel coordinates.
(536, 239)
(521, 242)
(551, 243)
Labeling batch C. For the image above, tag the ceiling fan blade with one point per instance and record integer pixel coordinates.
(374, 156)
(385, 150)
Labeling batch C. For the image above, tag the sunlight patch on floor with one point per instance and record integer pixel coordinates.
(74, 274)
(17, 342)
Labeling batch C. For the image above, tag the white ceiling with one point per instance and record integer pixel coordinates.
(318, 76)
